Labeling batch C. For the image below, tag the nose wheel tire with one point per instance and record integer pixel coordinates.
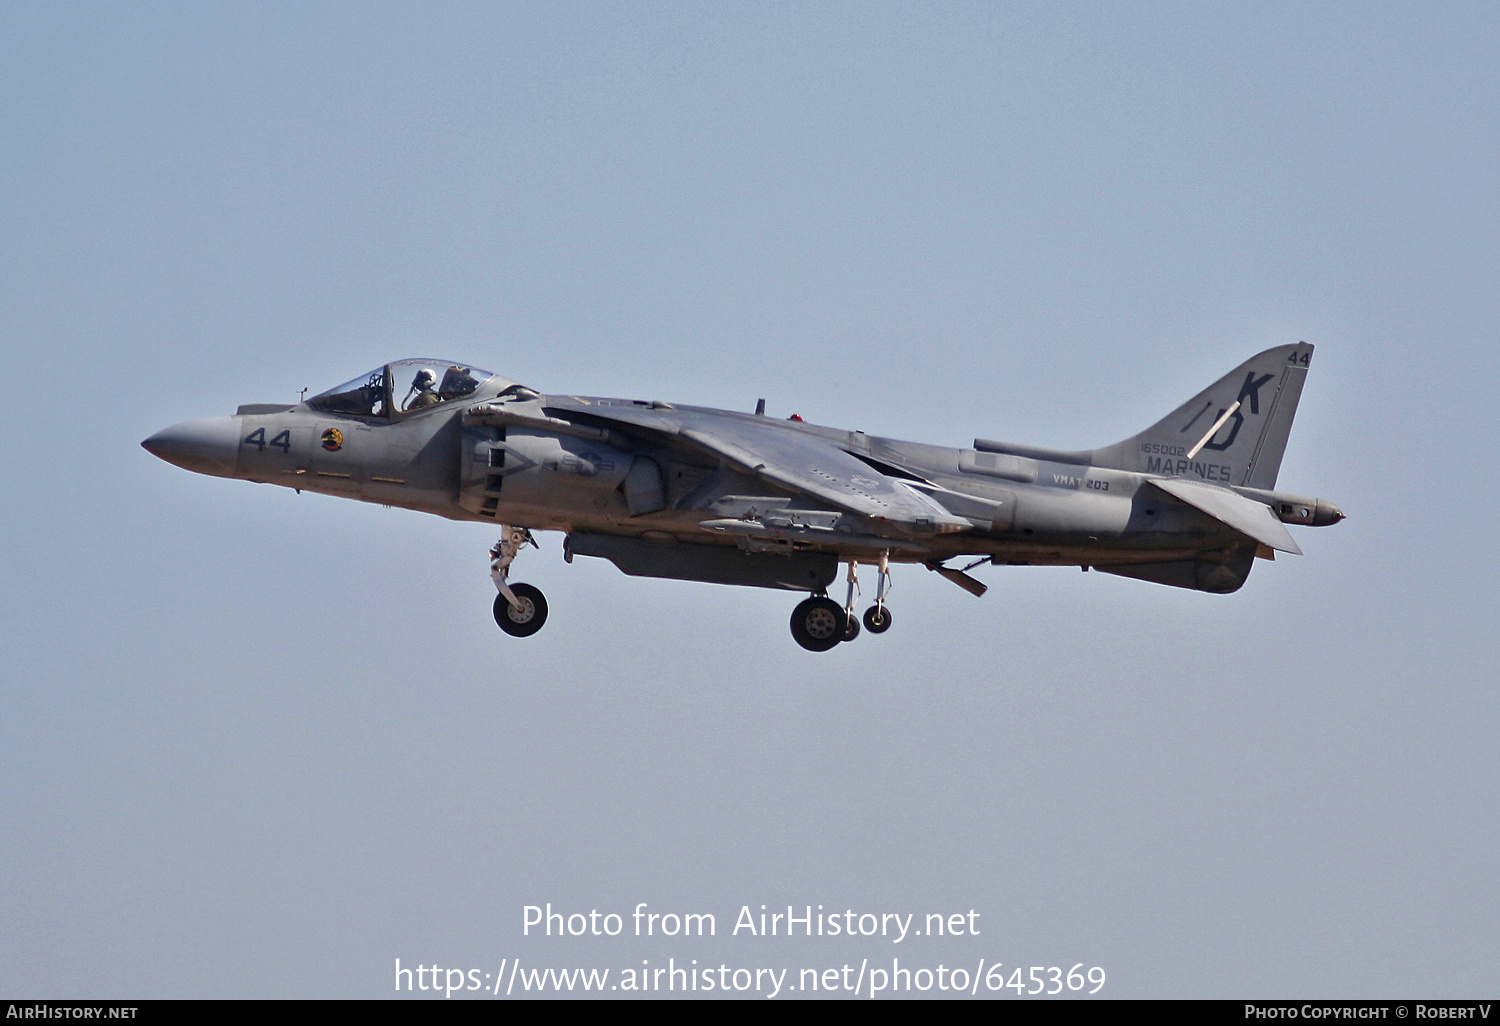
(818, 624)
(528, 619)
(877, 619)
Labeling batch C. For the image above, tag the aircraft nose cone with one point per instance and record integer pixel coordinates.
(207, 446)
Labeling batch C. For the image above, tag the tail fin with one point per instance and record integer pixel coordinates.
(1233, 432)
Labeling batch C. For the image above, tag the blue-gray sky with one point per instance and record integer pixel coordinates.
(262, 744)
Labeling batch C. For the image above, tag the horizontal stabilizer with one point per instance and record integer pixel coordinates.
(1250, 518)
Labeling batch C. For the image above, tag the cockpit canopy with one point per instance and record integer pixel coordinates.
(405, 386)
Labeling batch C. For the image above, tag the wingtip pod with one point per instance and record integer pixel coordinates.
(1234, 432)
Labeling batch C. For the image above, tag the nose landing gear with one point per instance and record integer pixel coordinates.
(520, 609)
(526, 616)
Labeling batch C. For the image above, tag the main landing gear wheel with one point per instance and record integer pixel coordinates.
(818, 624)
(524, 621)
(877, 619)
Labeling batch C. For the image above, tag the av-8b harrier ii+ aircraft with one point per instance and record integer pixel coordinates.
(665, 490)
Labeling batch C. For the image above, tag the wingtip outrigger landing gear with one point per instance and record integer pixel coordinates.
(851, 622)
(819, 623)
(877, 617)
(520, 609)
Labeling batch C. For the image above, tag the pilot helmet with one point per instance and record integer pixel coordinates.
(424, 379)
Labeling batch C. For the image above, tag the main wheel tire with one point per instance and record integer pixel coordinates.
(877, 619)
(526, 621)
(818, 624)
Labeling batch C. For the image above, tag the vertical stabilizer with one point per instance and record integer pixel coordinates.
(1234, 432)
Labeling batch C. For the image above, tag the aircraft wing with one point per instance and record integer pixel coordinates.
(1250, 518)
(783, 453)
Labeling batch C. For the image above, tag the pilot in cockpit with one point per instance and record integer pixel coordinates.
(423, 392)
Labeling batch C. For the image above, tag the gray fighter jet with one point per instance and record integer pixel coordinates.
(665, 490)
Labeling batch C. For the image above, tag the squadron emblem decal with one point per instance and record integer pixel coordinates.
(333, 439)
